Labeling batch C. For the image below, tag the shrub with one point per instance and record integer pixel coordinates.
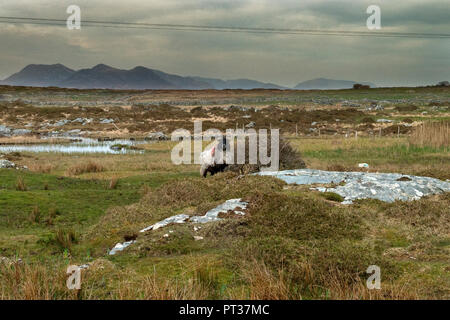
(289, 159)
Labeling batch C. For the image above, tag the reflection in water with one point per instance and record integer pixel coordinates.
(84, 145)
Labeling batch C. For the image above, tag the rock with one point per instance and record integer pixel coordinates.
(212, 215)
(237, 108)
(180, 218)
(6, 164)
(106, 121)
(20, 132)
(375, 107)
(157, 136)
(60, 123)
(384, 121)
(4, 130)
(72, 133)
(364, 185)
(8, 261)
(250, 125)
(196, 238)
(120, 246)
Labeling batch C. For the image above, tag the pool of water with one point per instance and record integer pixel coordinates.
(82, 145)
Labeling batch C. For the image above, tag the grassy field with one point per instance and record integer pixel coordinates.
(293, 243)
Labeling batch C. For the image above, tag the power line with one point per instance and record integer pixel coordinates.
(232, 29)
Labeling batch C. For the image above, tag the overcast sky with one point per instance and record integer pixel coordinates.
(282, 59)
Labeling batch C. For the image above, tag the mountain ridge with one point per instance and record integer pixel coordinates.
(103, 76)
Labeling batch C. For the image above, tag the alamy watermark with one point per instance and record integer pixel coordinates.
(74, 280)
(74, 20)
(374, 281)
(230, 147)
(374, 20)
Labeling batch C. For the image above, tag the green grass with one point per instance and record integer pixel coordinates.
(399, 153)
(293, 243)
(78, 204)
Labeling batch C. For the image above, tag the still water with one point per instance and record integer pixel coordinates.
(82, 145)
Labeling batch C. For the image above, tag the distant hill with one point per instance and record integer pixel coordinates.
(103, 76)
(39, 75)
(106, 77)
(324, 84)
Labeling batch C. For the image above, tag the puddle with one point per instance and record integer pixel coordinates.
(82, 145)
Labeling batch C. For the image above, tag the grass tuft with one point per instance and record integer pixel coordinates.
(35, 215)
(20, 184)
(88, 167)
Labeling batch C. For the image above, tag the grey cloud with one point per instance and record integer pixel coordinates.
(274, 58)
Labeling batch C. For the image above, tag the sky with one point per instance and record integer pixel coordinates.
(277, 58)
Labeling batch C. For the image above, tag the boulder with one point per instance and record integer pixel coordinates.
(250, 125)
(157, 136)
(21, 132)
(6, 164)
(4, 130)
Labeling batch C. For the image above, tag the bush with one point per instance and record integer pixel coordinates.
(289, 159)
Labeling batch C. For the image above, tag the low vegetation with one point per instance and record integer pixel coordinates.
(432, 134)
(293, 243)
(88, 167)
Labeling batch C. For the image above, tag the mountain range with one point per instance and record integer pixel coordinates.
(105, 77)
